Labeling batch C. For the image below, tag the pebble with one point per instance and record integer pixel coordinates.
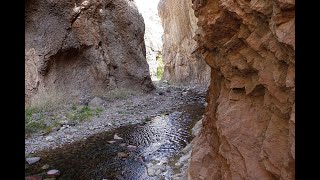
(131, 147)
(117, 137)
(122, 155)
(32, 160)
(53, 173)
(63, 122)
(123, 144)
(49, 138)
(73, 130)
(111, 142)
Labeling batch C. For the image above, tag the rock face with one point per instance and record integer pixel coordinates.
(181, 64)
(83, 47)
(153, 33)
(249, 125)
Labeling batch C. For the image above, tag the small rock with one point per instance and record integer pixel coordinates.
(34, 177)
(62, 128)
(53, 173)
(131, 147)
(63, 122)
(206, 104)
(155, 170)
(111, 142)
(184, 93)
(122, 155)
(123, 144)
(117, 137)
(196, 128)
(73, 130)
(49, 138)
(32, 160)
(46, 166)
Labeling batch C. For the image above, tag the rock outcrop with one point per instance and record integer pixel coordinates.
(153, 33)
(181, 64)
(249, 125)
(83, 47)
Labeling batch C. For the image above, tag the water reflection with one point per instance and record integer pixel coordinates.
(158, 142)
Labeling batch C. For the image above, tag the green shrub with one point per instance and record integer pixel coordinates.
(160, 66)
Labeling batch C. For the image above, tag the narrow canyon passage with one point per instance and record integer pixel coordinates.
(163, 89)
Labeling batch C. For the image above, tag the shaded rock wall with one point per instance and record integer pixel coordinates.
(249, 126)
(181, 64)
(83, 47)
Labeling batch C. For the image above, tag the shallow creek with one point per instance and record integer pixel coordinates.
(154, 148)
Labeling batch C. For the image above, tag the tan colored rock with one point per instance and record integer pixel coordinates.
(181, 64)
(83, 48)
(249, 125)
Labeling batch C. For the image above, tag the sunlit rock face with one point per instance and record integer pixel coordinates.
(181, 64)
(153, 33)
(249, 126)
(84, 47)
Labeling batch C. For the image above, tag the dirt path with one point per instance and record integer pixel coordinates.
(134, 109)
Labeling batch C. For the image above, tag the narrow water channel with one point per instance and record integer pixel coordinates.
(158, 143)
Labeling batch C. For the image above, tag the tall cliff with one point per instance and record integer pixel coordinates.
(82, 47)
(249, 125)
(181, 64)
(153, 33)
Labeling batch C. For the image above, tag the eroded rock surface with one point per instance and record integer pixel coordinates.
(83, 47)
(249, 125)
(181, 64)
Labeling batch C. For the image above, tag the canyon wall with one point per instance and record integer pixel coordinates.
(249, 125)
(181, 64)
(84, 47)
(153, 33)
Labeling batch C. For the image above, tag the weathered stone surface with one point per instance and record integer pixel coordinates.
(78, 48)
(32, 160)
(181, 64)
(248, 128)
(153, 33)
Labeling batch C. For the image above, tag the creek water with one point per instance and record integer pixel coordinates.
(158, 143)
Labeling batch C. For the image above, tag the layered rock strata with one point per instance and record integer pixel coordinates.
(181, 64)
(84, 47)
(249, 126)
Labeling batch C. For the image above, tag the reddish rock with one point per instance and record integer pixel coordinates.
(249, 126)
